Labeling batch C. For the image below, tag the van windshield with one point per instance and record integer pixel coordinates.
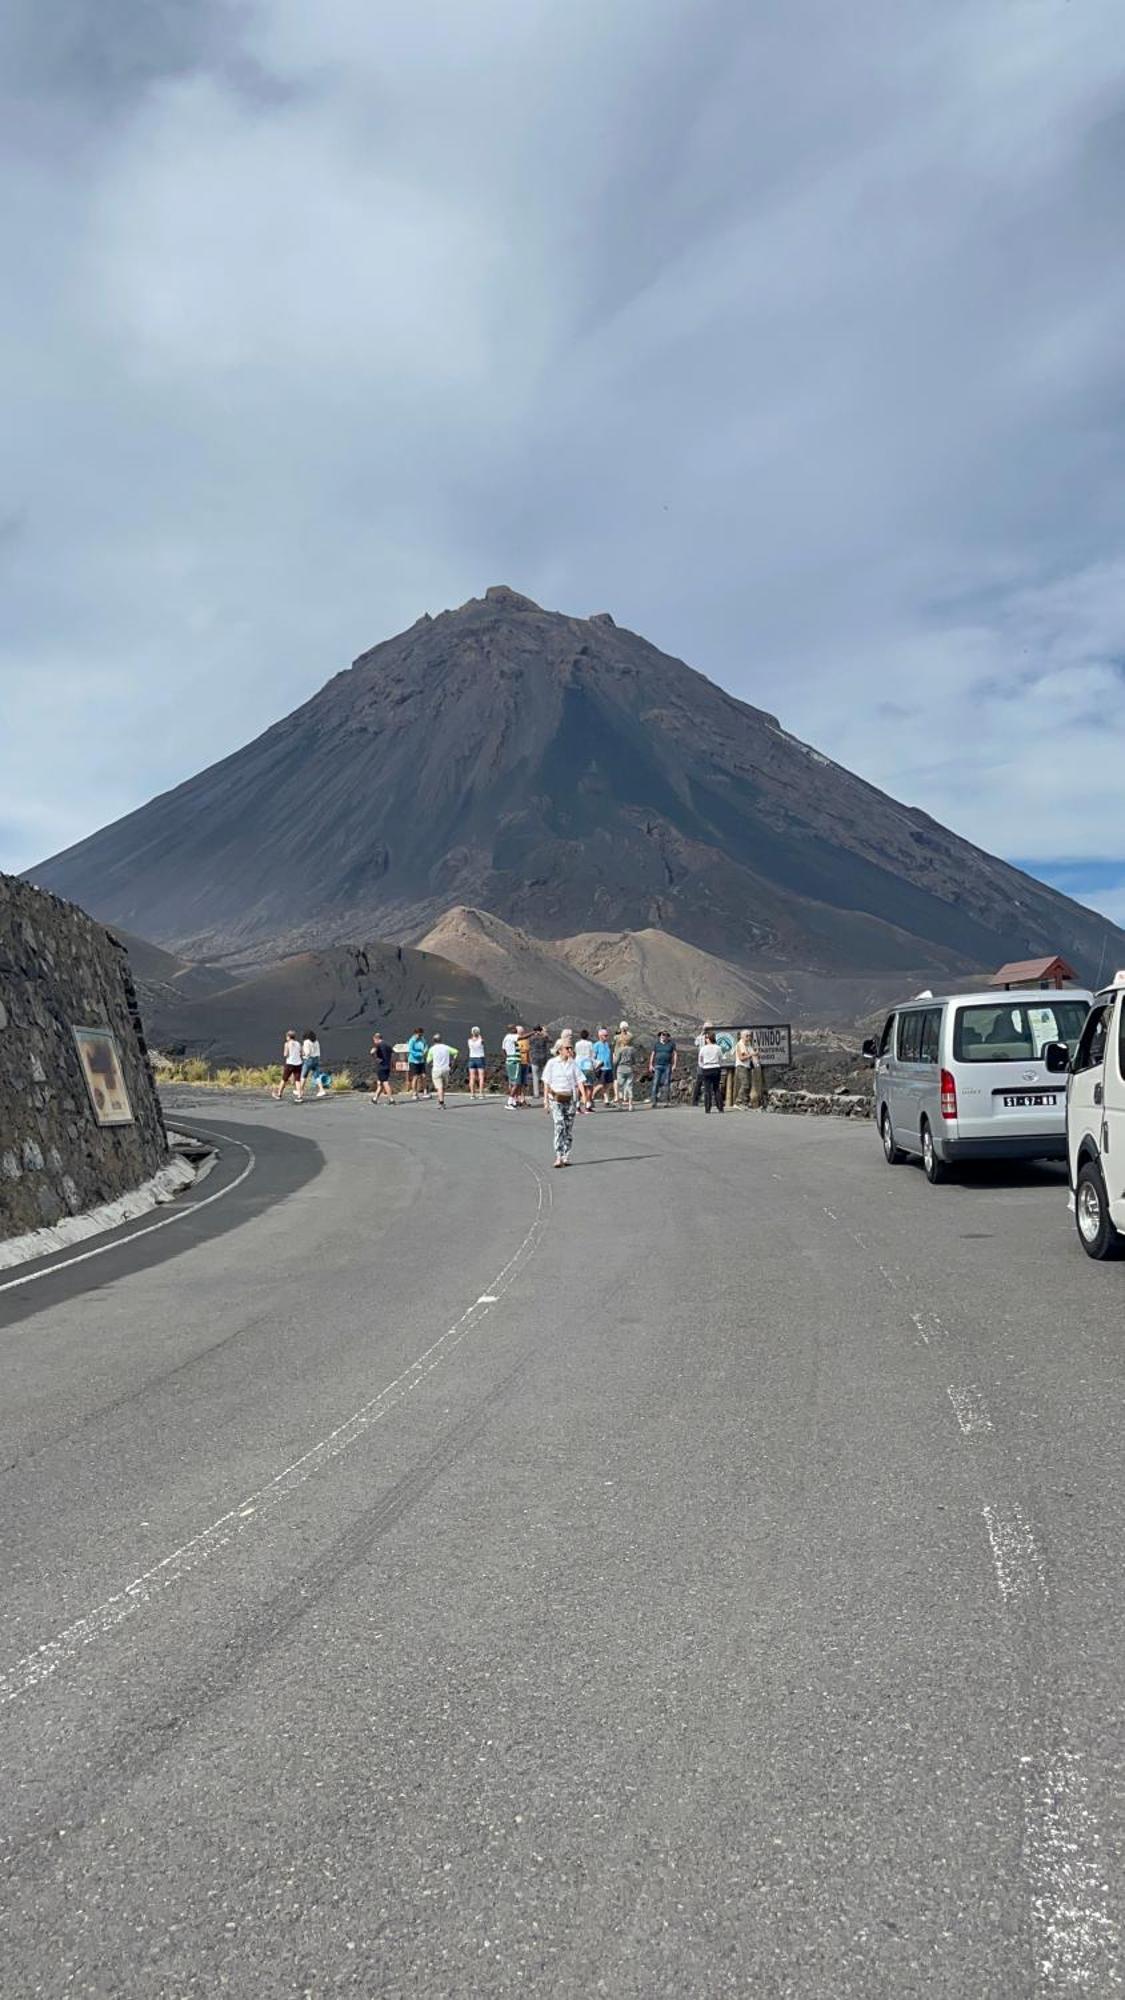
(1000, 1032)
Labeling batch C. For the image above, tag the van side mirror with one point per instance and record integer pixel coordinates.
(868, 1052)
(1056, 1055)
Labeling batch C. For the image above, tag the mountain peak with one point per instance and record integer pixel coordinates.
(564, 776)
(508, 599)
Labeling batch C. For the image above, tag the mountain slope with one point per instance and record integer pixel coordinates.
(162, 979)
(660, 978)
(600, 975)
(569, 777)
(534, 976)
(344, 994)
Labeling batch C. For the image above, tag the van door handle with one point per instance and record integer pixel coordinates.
(1097, 1093)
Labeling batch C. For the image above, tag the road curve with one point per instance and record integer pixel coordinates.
(695, 1573)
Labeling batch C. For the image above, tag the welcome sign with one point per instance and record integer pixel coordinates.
(773, 1041)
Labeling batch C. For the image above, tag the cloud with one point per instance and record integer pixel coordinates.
(791, 336)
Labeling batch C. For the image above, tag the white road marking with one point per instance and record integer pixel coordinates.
(928, 1326)
(38, 1666)
(1077, 1944)
(970, 1409)
(1016, 1556)
(166, 1222)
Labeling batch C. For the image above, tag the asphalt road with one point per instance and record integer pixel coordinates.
(696, 1573)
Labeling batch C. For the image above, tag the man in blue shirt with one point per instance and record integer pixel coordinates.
(662, 1068)
(417, 1049)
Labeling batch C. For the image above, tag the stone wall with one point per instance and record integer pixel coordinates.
(60, 970)
(820, 1103)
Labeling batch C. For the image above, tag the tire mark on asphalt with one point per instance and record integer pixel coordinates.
(41, 1664)
(141, 1746)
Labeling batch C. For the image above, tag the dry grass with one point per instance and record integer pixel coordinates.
(267, 1076)
(192, 1070)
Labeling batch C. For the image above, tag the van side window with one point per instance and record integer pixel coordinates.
(1091, 1048)
(888, 1030)
(1121, 1041)
(931, 1035)
(909, 1036)
(998, 1031)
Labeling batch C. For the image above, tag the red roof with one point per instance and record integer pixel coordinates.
(1029, 971)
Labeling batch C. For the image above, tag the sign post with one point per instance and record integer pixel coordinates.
(773, 1041)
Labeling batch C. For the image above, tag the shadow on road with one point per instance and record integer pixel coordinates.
(617, 1159)
(284, 1162)
(988, 1176)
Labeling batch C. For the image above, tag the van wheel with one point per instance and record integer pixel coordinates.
(932, 1166)
(1096, 1232)
(892, 1154)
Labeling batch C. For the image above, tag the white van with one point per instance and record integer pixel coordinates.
(962, 1076)
(1095, 1122)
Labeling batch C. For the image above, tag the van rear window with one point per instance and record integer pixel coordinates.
(1000, 1032)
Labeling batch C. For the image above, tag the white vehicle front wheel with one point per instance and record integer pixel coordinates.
(893, 1154)
(1096, 1233)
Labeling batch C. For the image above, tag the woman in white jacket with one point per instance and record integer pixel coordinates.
(561, 1087)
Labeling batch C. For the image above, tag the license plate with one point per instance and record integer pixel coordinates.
(1033, 1100)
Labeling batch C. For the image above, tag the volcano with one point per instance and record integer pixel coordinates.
(568, 777)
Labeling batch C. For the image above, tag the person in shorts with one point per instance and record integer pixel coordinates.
(291, 1061)
(311, 1064)
(513, 1065)
(477, 1062)
(416, 1063)
(382, 1057)
(441, 1058)
(603, 1066)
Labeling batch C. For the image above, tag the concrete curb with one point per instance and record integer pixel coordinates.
(164, 1186)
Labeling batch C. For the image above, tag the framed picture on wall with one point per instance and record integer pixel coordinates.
(101, 1066)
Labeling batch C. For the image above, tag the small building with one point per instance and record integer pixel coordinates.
(1049, 973)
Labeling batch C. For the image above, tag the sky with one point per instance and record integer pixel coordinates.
(790, 333)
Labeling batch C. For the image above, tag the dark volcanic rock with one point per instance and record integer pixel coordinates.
(566, 775)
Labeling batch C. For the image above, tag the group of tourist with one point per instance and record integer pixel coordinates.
(606, 1068)
(569, 1076)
